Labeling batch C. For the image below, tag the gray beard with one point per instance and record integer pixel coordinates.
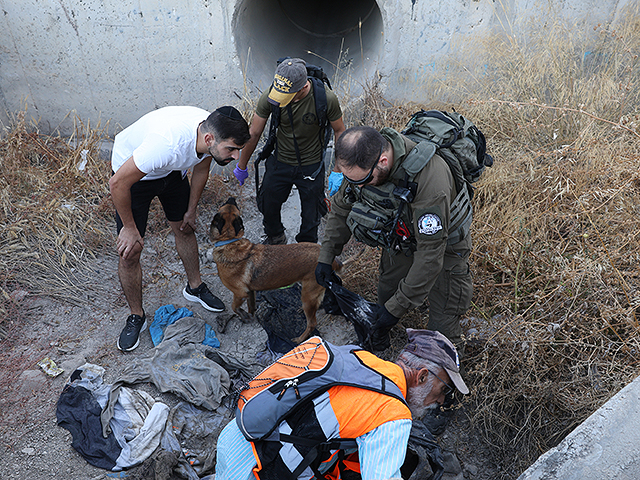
(415, 400)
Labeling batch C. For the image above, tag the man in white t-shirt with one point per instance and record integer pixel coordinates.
(150, 159)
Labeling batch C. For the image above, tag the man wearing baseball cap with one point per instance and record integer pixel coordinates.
(299, 146)
(384, 427)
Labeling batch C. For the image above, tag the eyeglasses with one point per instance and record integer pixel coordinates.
(448, 388)
(367, 178)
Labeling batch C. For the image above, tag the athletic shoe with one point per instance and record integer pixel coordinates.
(204, 297)
(277, 240)
(130, 336)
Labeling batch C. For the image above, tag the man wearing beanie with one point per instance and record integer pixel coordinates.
(424, 373)
(151, 158)
(297, 158)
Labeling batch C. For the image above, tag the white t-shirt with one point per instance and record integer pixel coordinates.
(160, 142)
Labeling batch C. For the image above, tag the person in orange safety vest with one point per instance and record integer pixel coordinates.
(363, 433)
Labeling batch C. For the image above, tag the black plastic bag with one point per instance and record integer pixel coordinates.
(280, 313)
(357, 310)
(329, 302)
(422, 446)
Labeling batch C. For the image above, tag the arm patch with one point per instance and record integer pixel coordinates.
(429, 223)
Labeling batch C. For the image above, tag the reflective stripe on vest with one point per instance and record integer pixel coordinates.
(342, 412)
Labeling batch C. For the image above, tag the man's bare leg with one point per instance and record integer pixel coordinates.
(130, 274)
(187, 247)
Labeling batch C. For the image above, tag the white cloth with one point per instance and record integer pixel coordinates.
(138, 420)
(160, 142)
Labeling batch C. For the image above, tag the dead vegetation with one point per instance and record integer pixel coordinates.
(54, 211)
(553, 330)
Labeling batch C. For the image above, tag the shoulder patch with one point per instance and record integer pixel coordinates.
(429, 224)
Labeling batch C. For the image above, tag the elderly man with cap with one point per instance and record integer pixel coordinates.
(424, 372)
(297, 158)
(151, 158)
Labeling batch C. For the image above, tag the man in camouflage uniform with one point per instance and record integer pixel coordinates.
(400, 195)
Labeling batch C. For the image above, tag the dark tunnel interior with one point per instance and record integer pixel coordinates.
(337, 33)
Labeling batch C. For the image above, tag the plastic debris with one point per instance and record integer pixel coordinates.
(49, 367)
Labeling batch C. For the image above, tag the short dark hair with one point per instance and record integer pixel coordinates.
(360, 147)
(227, 123)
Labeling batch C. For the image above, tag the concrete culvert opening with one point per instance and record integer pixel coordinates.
(335, 31)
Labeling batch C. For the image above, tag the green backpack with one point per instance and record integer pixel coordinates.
(460, 143)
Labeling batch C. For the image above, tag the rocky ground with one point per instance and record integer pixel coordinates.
(73, 333)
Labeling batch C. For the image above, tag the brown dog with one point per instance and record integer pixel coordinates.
(246, 267)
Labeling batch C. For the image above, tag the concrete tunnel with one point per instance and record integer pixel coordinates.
(117, 60)
(336, 32)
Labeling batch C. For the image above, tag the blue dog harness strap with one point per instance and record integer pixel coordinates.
(222, 243)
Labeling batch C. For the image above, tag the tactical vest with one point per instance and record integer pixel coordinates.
(380, 216)
(313, 439)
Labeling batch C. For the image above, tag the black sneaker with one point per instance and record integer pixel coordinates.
(130, 336)
(204, 297)
(277, 240)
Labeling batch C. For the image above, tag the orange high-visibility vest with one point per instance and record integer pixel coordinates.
(333, 419)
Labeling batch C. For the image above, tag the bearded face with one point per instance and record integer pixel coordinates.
(381, 176)
(417, 398)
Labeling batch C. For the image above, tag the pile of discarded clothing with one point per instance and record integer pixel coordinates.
(117, 427)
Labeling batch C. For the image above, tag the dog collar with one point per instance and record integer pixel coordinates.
(225, 242)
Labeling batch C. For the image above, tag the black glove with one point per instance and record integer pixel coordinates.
(381, 325)
(323, 274)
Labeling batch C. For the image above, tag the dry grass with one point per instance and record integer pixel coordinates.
(553, 330)
(54, 211)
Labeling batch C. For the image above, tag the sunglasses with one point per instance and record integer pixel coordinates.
(448, 388)
(367, 178)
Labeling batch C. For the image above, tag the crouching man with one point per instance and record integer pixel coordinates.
(351, 426)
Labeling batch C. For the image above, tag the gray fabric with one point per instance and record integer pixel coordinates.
(184, 370)
(181, 364)
(197, 431)
(137, 421)
(185, 330)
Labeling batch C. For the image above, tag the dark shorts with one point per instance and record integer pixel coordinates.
(173, 192)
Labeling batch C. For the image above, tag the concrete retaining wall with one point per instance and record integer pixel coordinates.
(117, 59)
(605, 446)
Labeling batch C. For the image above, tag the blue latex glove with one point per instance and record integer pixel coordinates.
(240, 174)
(335, 180)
